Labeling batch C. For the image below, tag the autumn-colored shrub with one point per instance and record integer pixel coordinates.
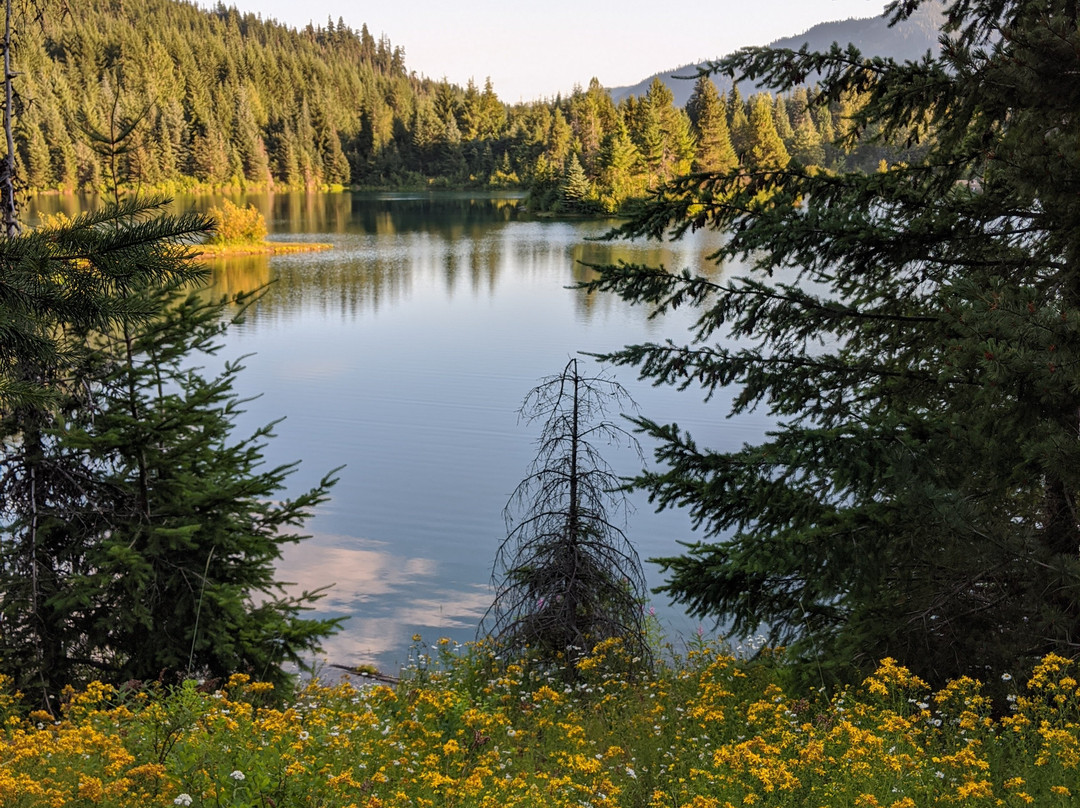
(237, 225)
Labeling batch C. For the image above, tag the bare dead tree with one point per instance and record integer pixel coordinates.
(566, 576)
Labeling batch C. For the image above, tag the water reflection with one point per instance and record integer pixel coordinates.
(237, 275)
(386, 596)
(388, 245)
(389, 251)
(403, 354)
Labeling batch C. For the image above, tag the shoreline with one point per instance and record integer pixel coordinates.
(263, 248)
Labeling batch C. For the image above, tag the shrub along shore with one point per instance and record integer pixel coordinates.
(465, 728)
(242, 231)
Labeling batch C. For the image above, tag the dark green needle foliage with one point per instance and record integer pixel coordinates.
(141, 534)
(566, 576)
(915, 336)
(59, 283)
(138, 535)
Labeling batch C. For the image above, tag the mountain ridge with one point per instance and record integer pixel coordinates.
(908, 40)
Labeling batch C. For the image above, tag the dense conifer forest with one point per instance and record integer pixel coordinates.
(171, 96)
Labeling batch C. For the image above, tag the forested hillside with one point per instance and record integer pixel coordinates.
(165, 95)
(219, 98)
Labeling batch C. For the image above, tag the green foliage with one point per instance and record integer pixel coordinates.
(767, 150)
(220, 98)
(709, 118)
(574, 190)
(806, 145)
(914, 334)
(237, 225)
(702, 729)
(57, 283)
(138, 536)
(168, 95)
(141, 536)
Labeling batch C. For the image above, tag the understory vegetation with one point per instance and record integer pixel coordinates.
(466, 729)
(237, 225)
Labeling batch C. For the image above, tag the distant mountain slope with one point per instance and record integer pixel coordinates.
(908, 40)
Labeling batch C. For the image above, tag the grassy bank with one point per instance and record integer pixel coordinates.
(262, 248)
(460, 729)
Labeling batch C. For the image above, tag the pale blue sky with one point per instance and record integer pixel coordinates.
(537, 49)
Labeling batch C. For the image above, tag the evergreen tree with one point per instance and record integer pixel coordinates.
(327, 144)
(57, 284)
(739, 125)
(823, 119)
(781, 119)
(559, 138)
(806, 146)
(575, 189)
(767, 151)
(492, 114)
(914, 333)
(618, 179)
(468, 117)
(706, 111)
(587, 125)
(545, 183)
(451, 156)
(142, 536)
(650, 141)
(680, 143)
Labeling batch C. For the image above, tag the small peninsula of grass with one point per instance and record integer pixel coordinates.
(242, 231)
(212, 250)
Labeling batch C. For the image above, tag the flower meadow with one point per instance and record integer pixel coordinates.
(464, 728)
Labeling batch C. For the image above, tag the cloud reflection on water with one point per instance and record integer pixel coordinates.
(371, 584)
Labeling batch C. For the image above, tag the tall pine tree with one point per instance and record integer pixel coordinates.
(915, 336)
(709, 118)
(141, 536)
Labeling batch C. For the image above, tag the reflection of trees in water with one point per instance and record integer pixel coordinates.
(71, 205)
(352, 282)
(338, 287)
(451, 216)
(392, 244)
(294, 212)
(362, 275)
(689, 254)
(231, 276)
(455, 216)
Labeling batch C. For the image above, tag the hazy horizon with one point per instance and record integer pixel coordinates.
(533, 51)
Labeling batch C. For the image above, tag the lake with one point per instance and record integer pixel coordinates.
(403, 354)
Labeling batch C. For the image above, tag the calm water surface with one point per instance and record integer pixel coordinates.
(403, 355)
